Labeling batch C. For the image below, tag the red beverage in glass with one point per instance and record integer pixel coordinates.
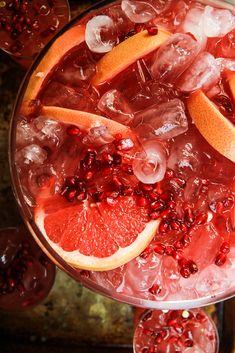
(122, 151)
(190, 331)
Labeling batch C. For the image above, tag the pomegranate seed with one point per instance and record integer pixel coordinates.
(165, 214)
(228, 202)
(163, 227)
(169, 174)
(70, 195)
(174, 225)
(73, 130)
(225, 247)
(183, 227)
(200, 219)
(148, 332)
(188, 343)
(142, 201)
(7, 27)
(185, 272)
(178, 244)
(20, 288)
(192, 267)
(189, 215)
(89, 175)
(201, 318)
(146, 187)
(169, 250)
(117, 182)
(117, 159)
(82, 196)
(152, 30)
(127, 168)
(147, 316)
(180, 182)
(166, 196)
(186, 240)
(107, 158)
(171, 204)
(153, 195)
(225, 103)
(159, 248)
(155, 289)
(173, 339)
(124, 144)
(157, 205)
(220, 259)
(178, 328)
(171, 322)
(138, 27)
(176, 255)
(154, 215)
(182, 262)
(127, 191)
(146, 252)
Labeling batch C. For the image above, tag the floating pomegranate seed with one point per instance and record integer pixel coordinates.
(82, 196)
(183, 227)
(171, 204)
(169, 174)
(192, 266)
(166, 213)
(200, 219)
(70, 195)
(220, 259)
(142, 201)
(228, 202)
(177, 255)
(152, 30)
(225, 247)
(186, 240)
(171, 322)
(73, 130)
(89, 175)
(163, 227)
(117, 159)
(127, 168)
(154, 195)
(155, 289)
(117, 182)
(166, 196)
(139, 27)
(189, 215)
(201, 318)
(124, 144)
(224, 102)
(154, 215)
(178, 244)
(146, 252)
(157, 206)
(159, 248)
(175, 225)
(188, 343)
(180, 182)
(107, 157)
(185, 272)
(148, 332)
(169, 250)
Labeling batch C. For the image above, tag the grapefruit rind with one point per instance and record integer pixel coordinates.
(126, 53)
(63, 44)
(214, 127)
(92, 263)
(84, 120)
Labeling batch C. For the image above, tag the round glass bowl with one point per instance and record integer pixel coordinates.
(216, 285)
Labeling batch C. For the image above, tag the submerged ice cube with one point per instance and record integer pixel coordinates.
(193, 23)
(203, 73)
(225, 64)
(174, 57)
(166, 120)
(31, 154)
(48, 131)
(138, 11)
(217, 22)
(24, 132)
(115, 106)
(100, 34)
(98, 135)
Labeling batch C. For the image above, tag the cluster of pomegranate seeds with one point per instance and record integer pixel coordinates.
(174, 328)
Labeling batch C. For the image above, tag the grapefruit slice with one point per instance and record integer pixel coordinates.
(126, 53)
(98, 236)
(59, 48)
(214, 127)
(85, 120)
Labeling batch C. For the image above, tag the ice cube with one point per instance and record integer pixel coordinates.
(100, 34)
(31, 154)
(116, 107)
(227, 45)
(195, 349)
(193, 23)
(212, 280)
(98, 135)
(217, 22)
(138, 11)
(49, 132)
(149, 166)
(24, 132)
(203, 73)
(225, 64)
(174, 57)
(166, 120)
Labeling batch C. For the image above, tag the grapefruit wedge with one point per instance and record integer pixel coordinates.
(98, 236)
(126, 53)
(57, 51)
(214, 127)
(85, 120)
(93, 236)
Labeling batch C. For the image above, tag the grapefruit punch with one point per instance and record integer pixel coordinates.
(122, 151)
(188, 331)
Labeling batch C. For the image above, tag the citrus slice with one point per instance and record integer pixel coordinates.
(214, 127)
(84, 120)
(51, 59)
(126, 53)
(98, 236)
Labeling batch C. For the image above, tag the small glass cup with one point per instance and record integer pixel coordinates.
(184, 331)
